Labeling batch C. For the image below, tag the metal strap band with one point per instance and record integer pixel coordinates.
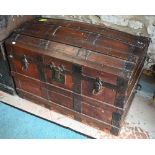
(77, 86)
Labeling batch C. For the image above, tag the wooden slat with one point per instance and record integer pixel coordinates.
(107, 31)
(79, 38)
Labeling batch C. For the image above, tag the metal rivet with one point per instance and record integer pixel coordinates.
(13, 42)
(10, 56)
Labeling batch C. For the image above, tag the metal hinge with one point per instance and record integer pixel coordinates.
(43, 44)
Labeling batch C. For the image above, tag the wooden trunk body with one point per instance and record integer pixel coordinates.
(84, 71)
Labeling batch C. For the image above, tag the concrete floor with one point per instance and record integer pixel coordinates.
(142, 114)
(142, 111)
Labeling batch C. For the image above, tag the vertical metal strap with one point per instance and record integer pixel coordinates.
(77, 86)
(122, 85)
(116, 120)
(115, 131)
(40, 62)
(41, 71)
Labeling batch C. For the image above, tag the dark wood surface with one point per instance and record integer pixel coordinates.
(86, 72)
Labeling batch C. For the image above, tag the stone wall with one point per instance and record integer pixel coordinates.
(139, 25)
(9, 22)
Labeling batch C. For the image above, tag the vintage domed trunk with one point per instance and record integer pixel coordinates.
(84, 71)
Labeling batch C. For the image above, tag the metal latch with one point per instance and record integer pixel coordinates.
(98, 86)
(57, 73)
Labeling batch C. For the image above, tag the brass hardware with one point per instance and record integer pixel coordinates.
(98, 86)
(57, 73)
(25, 63)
